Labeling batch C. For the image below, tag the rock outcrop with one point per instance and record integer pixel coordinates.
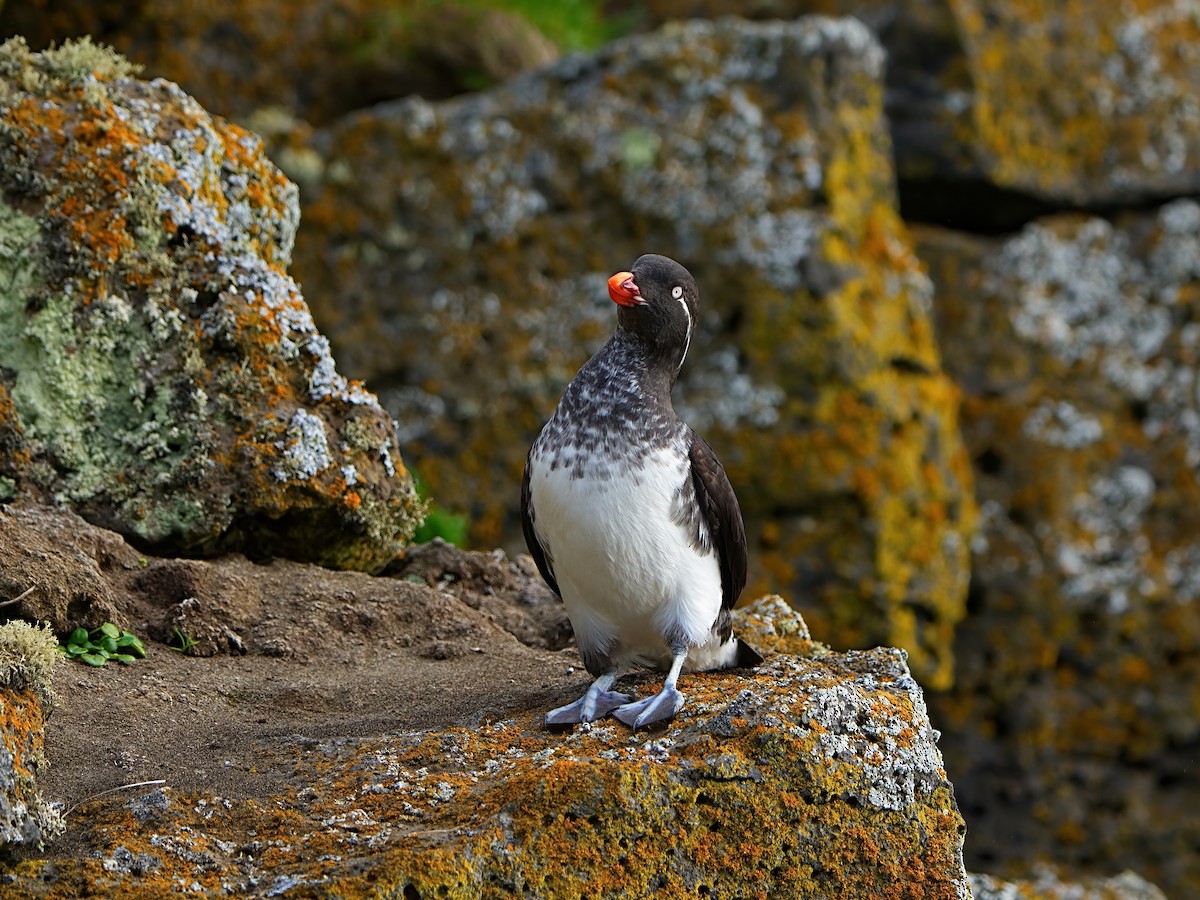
(483, 229)
(1003, 106)
(816, 775)
(1047, 884)
(1077, 689)
(159, 370)
(819, 779)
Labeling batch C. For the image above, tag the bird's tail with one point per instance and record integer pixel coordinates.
(745, 656)
(734, 653)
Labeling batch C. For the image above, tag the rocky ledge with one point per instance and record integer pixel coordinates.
(382, 736)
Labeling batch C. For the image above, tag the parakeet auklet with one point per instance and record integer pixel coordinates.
(629, 514)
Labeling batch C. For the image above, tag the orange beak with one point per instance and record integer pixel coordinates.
(623, 290)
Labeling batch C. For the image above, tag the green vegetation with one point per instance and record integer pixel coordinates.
(450, 527)
(423, 28)
(181, 641)
(570, 24)
(98, 646)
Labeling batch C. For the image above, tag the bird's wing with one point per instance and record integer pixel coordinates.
(536, 550)
(719, 509)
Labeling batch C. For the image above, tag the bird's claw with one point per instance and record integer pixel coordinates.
(659, 708)
(588, 708)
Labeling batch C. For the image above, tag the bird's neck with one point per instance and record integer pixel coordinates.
(647, 368)
(619, 399)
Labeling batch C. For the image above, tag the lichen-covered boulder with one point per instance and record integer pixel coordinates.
(27, 658)
(1076, 705)
(1064, 102)
(815, 776)
(1047, 884)
(459, 254)
(159, 369)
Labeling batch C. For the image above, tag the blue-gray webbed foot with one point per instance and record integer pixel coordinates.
(659, 708)
(595, 704)
(663, 705)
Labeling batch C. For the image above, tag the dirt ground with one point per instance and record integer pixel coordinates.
(284, 652)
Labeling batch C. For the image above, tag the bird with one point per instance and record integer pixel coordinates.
(630, 516)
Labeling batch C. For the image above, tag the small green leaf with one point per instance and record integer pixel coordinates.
(133, 644)
(125, 658)
(74, 649)
(108, 644)
(185, 641)
(93, 659)
(109, 630)
(79, 637)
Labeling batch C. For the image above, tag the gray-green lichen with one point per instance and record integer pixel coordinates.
(28, 655)
(163, 367)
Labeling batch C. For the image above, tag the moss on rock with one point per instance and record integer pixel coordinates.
(165, 373)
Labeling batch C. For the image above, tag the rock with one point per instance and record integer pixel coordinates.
(1074, 718)
(1048, 885)
(319, 61)
(509, 591)
(159, 370)
(999, 107)
(808, 777)
(64, 586)
(483, 230)
(27, 658)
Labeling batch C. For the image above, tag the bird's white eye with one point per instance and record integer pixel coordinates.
(677, 292)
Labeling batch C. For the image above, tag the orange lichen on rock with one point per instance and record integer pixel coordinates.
(1071, 99)
(1077, 678)
(27, 658)
(811, 776)
(163, 360)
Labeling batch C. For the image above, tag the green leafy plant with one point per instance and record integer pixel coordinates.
(98, 646)
(181, 641)
(450, 527)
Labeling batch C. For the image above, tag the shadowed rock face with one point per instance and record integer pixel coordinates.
(1076, 707)
(483, 229)
(159, 370)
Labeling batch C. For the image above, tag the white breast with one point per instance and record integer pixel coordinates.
(627, 572)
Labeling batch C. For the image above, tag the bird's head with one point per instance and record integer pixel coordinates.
(658, 302)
